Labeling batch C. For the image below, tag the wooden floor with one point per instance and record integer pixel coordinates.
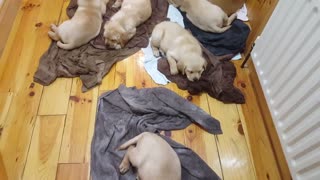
(45, 134)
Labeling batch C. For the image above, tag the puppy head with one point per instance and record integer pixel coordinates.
(116, 36)
(194, 68)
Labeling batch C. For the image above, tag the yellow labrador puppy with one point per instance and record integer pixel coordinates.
(82, 27)
(183, 51)
(122, 25)
(152, 156)
(205, 15)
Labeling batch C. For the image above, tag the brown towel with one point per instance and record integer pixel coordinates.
(216, 80)
(92, 61)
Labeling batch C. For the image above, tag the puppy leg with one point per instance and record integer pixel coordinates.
(155, 50)
(129, 157)
(117, 4)
(103, 7)
(156, 37)
(53, 36)
(231, 19)
(172, 64)
(54, 33)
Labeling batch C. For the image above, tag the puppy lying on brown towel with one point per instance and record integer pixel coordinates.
(123, 25)
(216, 80)
(152, 156)
(82, 27)
(182, 50)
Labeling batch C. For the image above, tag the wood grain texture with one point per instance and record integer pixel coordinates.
(266, 116)
(73, 172)
(55, 97)
(44, 150)
(5, 102)
(3, 171)
(18, 64)
(79, 124)
(8, 12)
(259, 13)
(233, 151)
(263, 156)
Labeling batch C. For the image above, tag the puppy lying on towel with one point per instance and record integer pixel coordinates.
(152, 156)
(205, 15)
(183, 51)
(122, 25)
(84, 25)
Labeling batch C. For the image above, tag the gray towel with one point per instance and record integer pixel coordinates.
(126, 112)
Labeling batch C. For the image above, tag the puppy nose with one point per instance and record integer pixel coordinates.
(195, 79)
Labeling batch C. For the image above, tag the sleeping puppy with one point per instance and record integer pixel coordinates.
(122, 25)
(152, 156)
(183, 51)
(82, 27)
(205, 15)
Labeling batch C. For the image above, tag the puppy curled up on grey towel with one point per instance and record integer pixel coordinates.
(152, 156)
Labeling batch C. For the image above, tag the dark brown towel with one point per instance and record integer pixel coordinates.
(92, 61)
(216, 80)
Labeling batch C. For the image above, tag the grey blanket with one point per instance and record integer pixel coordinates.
(126, 112)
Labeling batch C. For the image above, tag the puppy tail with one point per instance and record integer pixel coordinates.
(231, 18)
(221, 30)
(130, 142)
(65, 46)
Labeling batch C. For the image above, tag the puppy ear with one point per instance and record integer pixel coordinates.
(205, 64)
(181, 67)
(127, 36)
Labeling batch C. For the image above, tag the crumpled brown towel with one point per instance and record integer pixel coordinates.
(92, 61)
(216, 80)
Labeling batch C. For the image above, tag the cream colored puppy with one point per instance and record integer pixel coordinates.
(122, 25)
(152, 156)
(82, 27)
(183, 51)
(205, 15)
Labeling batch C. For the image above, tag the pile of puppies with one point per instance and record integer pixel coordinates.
(182, 50)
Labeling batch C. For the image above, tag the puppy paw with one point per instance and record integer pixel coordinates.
(124, 167)
(156, 53)
(174, 71)
(53, 27)
(116, 5)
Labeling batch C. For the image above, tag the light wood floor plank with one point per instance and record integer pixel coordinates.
(19, 65)
(79, 124)
(55, 97)
(200, 141)
(73, 172)
(3, 171)
(5, 102)
(108, 81)
(44, 150)
(258, 141)
(233, 151)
